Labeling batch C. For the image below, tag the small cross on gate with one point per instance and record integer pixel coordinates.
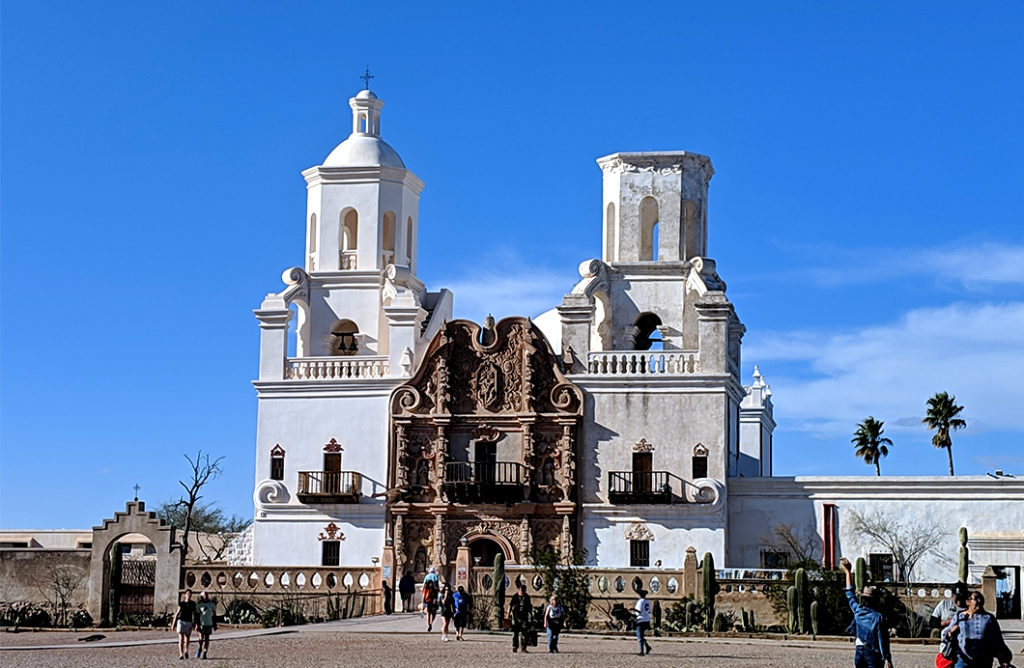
(366, 78)
(136, 488)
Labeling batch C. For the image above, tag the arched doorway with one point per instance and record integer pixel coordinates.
(482, 551)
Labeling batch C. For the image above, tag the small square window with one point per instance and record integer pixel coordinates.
(882, 567)
(639, 553)
(774, 559)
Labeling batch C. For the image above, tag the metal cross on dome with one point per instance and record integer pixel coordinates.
(366, 78)
(136, 488)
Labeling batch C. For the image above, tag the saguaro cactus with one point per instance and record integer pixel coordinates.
(860, 576)
(814, 617)
(800, 582)
(114, 602)
(710, 590)
(961, 571)
(791, 608)
(691, 614)
(499, 590)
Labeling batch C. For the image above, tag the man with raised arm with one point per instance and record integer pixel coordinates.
(872, 631)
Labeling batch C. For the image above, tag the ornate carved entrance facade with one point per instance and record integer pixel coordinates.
(483, 445)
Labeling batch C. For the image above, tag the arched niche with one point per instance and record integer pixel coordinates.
(648, 229)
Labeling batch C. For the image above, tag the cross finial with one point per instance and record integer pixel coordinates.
(366, 78)
(136, 488)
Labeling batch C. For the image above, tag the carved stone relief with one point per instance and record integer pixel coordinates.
(639, 531)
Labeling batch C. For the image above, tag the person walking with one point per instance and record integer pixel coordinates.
(979, 639)
(554, 616)
(643, 621)
(206, 620)
(385, 590)
(872, 641)
(447, 605)
(430, 595)
(519, 611)
(182, 622)
(462, 607)
(406, 588)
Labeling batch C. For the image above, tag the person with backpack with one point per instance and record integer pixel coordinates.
(554, 617)
(872, 633)
(643, 620)
(430, 594)
(463, 605)
(519, 612)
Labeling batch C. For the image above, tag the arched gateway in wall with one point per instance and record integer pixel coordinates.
(134, 520)
(483, 446)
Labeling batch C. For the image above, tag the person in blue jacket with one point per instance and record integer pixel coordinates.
(872, 631)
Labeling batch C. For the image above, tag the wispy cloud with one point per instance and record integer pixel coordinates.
(503, 283)
(824, 382)
(969, 264)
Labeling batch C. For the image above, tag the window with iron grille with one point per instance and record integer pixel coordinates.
(882, 567)
(774, 559)
(331, 553)
(639, 553)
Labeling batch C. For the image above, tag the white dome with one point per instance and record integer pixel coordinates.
(364, 151)
(366, 94)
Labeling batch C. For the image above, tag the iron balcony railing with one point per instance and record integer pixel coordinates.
(330, 486)
(639, 487)
(484, 481)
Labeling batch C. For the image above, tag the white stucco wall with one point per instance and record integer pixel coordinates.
(991, 509)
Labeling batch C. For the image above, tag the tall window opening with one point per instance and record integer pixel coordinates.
(700, 466)
(388, 238)
(882, 567)
(642, 467)
(349, 238)
(408, 240)
(277, 463)
(610, 234)
(344, 338)
(691, 231)
(646, 331)
(648, 229)
(331, 555)
(639, 553)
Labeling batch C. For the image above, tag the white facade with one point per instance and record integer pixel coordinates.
(672, 449)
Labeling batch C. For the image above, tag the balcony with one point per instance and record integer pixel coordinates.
(330, 486)
(639, 487)
(484, 482)
(351, 367)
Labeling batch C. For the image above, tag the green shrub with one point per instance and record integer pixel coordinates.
(81, 618)
(241, 611)
(569, 580)
(24, 614)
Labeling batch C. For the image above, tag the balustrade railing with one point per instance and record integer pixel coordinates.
(330, 486)
(638, 363)
(337, 368)
(484, 481)
(348, 260)
(639, 487)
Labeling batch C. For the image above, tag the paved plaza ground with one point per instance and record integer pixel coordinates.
(400, 641)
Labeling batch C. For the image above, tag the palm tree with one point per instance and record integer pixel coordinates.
(871, 445)
(942, 417)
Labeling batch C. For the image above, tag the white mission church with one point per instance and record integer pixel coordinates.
(617, 422)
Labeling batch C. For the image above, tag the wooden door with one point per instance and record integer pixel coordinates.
(642, 463)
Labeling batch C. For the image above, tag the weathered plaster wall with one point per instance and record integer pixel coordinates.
(27, 573)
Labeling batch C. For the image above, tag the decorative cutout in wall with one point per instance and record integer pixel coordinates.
(486, 433)
(278, 451)
(643, 446)
(333, 446)
(700, 450)
(331, 532)
(639, 531)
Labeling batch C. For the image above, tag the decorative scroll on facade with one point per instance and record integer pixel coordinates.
(484, 437)
(331, 532)
(639, 531)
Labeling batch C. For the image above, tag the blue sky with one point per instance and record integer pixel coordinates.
(865, 212)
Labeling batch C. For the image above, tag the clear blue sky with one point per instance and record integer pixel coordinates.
(865, 214)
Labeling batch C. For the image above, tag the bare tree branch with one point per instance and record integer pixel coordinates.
(788, 538)
(908, 540)
(203, 469)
